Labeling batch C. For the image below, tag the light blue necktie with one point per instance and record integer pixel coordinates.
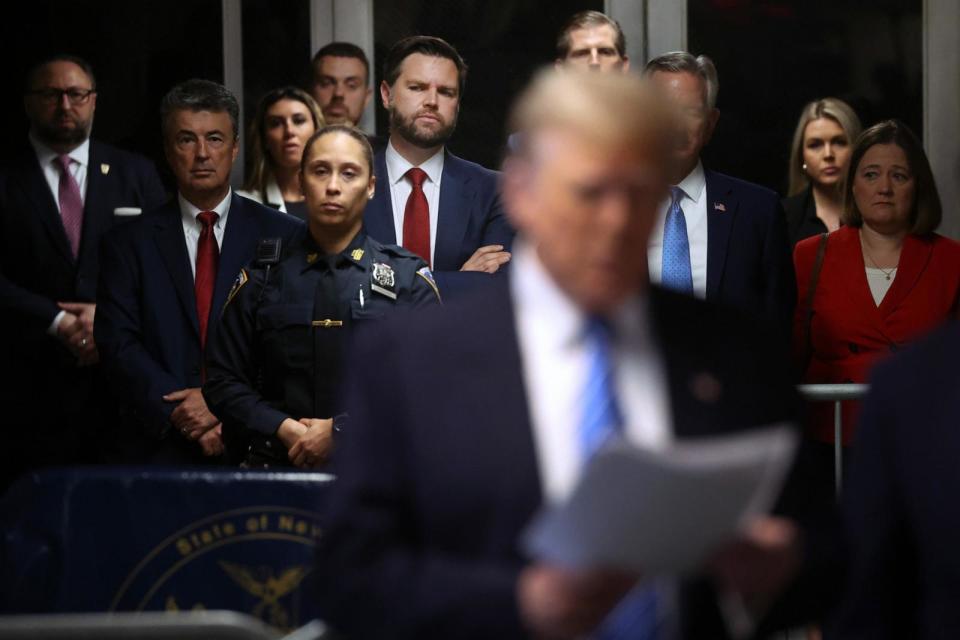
(676, 273)
(635, 618)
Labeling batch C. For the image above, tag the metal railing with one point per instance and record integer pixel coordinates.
(835, 393)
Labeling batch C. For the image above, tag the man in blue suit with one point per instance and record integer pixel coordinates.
(718, 237)
(901, 524)
(443, 208)
(58, 196)
(166, 276)
(454, 443)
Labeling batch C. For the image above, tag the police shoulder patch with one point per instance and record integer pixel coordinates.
(427, 275)
(242, 279)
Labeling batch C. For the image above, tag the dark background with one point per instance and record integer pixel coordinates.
(772, 58)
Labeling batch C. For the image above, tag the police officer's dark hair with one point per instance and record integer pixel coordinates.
(351, 131)
(200, 95)
(428, 46)
(343, 50)
(59, 57)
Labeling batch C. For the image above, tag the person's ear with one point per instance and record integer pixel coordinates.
(385, 94)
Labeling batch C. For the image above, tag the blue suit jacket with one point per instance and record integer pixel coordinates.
(146, 325)
(899, 504)
(437, 471)
(749, 262)
(470, 216)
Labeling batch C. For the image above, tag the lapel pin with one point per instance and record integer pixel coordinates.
(705, 387)
(719, 206)
(104, 168)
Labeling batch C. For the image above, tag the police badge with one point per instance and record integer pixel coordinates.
(382, 280)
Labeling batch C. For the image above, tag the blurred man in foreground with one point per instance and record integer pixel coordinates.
(466, 439)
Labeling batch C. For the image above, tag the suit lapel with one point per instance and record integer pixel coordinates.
(453, 215)
(914, 258)
(235, 250)
(38, 192)
(96, 214)
(721, 212)
(173, 251)
(694, 387)
(378, 216)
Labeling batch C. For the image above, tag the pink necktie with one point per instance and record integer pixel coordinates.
(71, 204)
(416, 217)
(208, 259)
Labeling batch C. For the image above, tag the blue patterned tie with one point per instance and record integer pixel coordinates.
(635, 618)
(676, 247)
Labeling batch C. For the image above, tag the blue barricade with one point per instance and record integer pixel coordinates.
(123, 539)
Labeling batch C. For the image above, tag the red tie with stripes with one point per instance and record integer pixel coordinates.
(208, 258)
(416, 217)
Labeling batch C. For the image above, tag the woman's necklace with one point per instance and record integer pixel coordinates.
(885, 272)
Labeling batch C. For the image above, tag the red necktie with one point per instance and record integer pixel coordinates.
(208, 257)
(416, 217)
(71, 204)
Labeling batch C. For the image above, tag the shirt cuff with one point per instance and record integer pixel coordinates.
(52, 329)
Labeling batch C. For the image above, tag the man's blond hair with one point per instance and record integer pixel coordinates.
(611, 109)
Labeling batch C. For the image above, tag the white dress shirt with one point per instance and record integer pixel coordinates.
(694, 205)
(47, 158)
(192, 226)
(551, 335)
(400, 189)
(51, 168)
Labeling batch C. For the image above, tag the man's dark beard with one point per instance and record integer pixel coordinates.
(58, 136)
(408, 131)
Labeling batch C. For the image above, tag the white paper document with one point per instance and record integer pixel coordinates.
(661, 512)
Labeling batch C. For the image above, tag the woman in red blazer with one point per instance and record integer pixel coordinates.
(885, 279)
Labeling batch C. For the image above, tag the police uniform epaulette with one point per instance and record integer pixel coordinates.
(396, 251)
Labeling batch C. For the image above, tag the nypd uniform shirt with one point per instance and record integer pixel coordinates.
(278, 350)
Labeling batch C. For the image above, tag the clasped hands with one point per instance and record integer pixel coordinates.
(193, 420)
(309, 441)
(75, 331)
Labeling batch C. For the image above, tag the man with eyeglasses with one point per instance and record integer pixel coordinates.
(57, 198)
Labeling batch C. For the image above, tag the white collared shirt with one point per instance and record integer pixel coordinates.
(694, 205)
(51, 168)
(192, 226)
(550, 332)
(400, 189)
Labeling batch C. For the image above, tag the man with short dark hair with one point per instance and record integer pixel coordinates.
(592, 40)
(167, 275)
(444, 209)
(57, 198)
(341, 79)
(718, 237)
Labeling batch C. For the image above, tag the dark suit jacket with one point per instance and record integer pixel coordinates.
(470, 216)
(748, 257)
(38, 269)
(849, 332)
(437, 475)
(146, 323)
(802, 220)
(900, 516)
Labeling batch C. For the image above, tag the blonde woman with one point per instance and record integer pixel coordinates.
(819, 157)
(285, 120)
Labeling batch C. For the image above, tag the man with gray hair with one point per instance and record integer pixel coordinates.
(166, 276)
(573, 349)
(717, 237)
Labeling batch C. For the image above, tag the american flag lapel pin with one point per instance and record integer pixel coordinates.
(719, 206)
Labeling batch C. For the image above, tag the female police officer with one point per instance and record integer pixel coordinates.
(272, 372)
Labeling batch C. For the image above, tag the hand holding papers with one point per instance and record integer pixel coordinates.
(662, 512)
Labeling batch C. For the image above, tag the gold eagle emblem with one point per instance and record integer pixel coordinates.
(267, 588)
